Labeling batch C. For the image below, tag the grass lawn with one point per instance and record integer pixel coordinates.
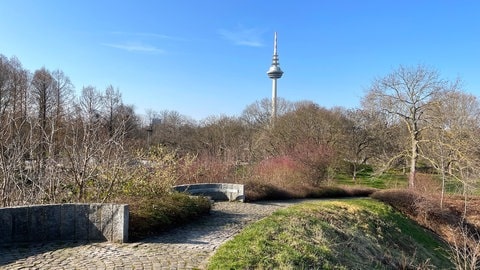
(333, 234)
(391, 179)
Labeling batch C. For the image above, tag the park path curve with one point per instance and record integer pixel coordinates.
(186, 247)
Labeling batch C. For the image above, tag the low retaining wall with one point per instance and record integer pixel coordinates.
(218, 192)
(38, 223)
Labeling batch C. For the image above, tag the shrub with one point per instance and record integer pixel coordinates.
(401, 199)
(360, 191)
(150, 215)
(315, 159)
(426, 212)
(257, 191)
(339, 192)
(417, 206)
(155, 172)
(282, 172)
(207, 169)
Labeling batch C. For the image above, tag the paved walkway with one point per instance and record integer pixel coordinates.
(187, 247)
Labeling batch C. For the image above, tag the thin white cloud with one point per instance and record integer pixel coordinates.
(243, 36)
(140, 42)
(135, 47)
(145, 35)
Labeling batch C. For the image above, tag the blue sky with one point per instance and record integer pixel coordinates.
(210, 57)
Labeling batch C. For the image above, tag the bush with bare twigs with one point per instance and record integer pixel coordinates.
(465, 249)
(447, 222)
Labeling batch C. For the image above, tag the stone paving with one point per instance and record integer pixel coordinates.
(187, 247)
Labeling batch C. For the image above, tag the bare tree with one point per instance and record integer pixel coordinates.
(52, 94)
(19, 89)
(42, 82)
(15, 134)
(42, 94)
(453, 147)
(62, 89)
(83, 141)
(7, 157)
(112, 101)
(5, 84)
(359, 137)
(95, 148)
(174, 130)
(224, 137)
(259, 113)
(311, 122)
(54, 148)
(310, 134)
(406, 94)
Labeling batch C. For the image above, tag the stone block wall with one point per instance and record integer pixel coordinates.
(216, 191)
(90, 222)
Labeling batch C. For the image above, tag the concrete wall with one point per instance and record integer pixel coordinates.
(91, 222)
(216, 191)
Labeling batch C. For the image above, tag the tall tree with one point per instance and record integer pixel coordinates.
(62, 94)
(453, 145)
(112, 101)
(359, 138)
(61, 104)
(42, 93)
(224, 137)
(5, 83)
(258, 114)
(172, 129)
(84, 141)
(42, 82)
(310, 135)
(406, 94)
(19, 89)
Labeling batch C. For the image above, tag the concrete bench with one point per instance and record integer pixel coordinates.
(216, 191)
(39, 223)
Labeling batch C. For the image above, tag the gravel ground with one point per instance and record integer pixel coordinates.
(187, 247)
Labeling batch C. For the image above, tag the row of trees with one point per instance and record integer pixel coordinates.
(409, 119)
(56, 146)
(53, 144)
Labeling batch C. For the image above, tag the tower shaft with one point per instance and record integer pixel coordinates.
(274, 101)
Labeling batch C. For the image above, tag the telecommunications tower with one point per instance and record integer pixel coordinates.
(274, 73)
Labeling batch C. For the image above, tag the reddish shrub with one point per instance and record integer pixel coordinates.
(281, 172)
(315, 159)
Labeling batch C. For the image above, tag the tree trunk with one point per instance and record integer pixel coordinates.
(413, 161)
(411, 176)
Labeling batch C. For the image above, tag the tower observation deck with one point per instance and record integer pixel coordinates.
(275, 72)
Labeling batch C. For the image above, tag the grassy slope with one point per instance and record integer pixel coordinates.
(342, 234)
